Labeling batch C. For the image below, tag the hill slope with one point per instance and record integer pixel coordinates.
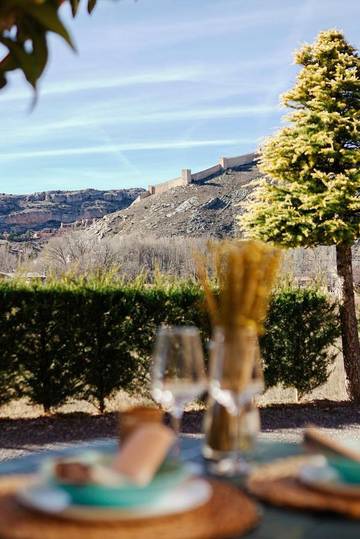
(205, 208)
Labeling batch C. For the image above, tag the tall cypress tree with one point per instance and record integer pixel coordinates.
(312, 194)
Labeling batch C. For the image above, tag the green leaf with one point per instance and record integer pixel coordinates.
(22, 58)
(32, 64)
(32, 19)
(8, 63)
(3, 80)
(8, 6)
(91, 5)
(74, 6)
(47, 15)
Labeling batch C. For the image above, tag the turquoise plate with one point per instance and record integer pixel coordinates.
(348, 470)
(333, 476)
(170, 475)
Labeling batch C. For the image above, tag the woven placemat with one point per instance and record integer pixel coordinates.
(228, 513)
(277, 484)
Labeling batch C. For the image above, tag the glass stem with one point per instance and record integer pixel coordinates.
(176, 417)
(238, 435)
(235, 433)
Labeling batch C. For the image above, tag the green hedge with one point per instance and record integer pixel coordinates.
(89, 338)
(85, 339)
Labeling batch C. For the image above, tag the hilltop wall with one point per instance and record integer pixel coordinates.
(187, 177)
(216, 169)
(234, 162)
(183, 179)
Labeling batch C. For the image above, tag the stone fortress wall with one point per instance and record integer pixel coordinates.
(186, 177)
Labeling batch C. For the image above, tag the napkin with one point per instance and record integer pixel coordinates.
(317, 440)
(144, 452)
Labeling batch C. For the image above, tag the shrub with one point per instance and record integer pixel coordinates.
(87, 338)
(301, 326)
(43, 344)
(11, 333)
(105, 355)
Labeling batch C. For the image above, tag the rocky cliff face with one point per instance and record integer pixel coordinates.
(19, 213)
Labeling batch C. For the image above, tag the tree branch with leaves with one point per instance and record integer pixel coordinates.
(25, 26)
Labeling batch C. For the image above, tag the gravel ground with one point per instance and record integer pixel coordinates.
(279, 423)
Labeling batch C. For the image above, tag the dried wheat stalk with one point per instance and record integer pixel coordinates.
(245, 272)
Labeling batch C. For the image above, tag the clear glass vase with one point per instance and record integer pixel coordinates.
(232, 421)
(226, 433)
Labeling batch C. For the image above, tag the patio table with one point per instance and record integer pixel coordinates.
(275, 524)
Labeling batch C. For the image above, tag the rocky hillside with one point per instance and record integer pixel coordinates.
(208, 208)
(205, 208)
(20, 213)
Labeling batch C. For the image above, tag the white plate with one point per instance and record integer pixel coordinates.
(321, 476)
(53, 501)
(350, 443)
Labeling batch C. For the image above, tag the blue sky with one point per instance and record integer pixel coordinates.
(156, 86)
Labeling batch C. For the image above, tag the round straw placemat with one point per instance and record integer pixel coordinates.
(277, 484)
(228, 513)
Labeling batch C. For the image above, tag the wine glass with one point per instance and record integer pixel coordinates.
(178, 375)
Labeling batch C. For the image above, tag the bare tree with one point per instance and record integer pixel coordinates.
(8, 260)
(131, 255)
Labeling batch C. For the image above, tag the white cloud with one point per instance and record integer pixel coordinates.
(115, 148)
(190, 73)
(209, 22)
(231, 19)
(221, 76)
(109, 116)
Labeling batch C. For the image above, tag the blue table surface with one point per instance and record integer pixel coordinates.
(275, 524)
